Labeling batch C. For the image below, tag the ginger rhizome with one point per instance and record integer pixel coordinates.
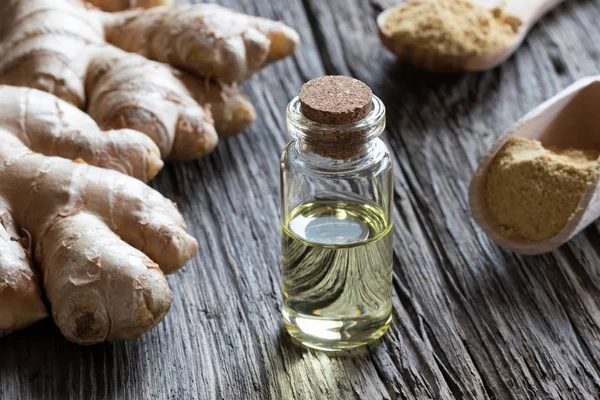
(98, 237)
(71, 219)
(84, 56)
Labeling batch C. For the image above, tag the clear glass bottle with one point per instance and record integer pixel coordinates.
(336, 230)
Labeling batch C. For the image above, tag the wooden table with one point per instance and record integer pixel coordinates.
(470, 320)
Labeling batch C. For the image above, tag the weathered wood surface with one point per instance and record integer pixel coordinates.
(470, 320)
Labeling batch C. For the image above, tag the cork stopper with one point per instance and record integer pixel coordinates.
(336, 100)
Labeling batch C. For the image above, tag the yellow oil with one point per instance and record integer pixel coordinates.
(337, 274)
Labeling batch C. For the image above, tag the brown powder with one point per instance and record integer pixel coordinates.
(533, 192)
(451, 27)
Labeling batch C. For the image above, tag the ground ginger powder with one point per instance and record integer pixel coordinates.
(533, 192)
(450, 27)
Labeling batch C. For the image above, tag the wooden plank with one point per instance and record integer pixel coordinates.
(470, 320)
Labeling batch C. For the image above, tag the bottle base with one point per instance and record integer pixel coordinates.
(336, 334)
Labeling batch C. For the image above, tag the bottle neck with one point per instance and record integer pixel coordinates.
(336, 144)
(333, 154)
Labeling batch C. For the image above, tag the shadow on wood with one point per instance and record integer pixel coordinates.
(40, 362)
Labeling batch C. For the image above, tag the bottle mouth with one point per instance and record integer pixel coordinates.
(319, 134)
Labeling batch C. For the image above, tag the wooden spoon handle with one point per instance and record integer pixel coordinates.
(530, 11)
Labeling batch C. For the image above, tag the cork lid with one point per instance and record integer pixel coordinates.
(335, 100)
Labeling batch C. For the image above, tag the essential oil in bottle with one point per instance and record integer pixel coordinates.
(336, 231)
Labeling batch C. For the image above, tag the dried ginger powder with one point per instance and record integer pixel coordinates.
(533, 192)
(450, 27)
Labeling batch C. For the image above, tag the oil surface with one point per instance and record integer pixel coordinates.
(337, 274)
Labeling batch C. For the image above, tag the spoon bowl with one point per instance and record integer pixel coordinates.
(529, 12)
(567, 120)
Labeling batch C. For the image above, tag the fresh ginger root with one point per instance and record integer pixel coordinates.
(101, 239)
(97, 236)
(211, 41)
(20, 296)
(60, 46)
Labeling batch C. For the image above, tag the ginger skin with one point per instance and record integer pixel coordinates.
(20, 296)
(208, 39)
(100, 239)
(73, 60)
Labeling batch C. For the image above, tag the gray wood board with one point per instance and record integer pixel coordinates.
(470, 320)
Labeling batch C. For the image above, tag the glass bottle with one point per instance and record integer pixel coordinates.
(336, 228)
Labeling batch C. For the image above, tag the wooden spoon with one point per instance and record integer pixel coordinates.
(568, 120)
(528, 11)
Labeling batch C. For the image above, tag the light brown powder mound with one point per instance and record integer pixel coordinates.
(533, 192)
(450, 27)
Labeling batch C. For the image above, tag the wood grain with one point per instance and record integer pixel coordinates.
(470, 321)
